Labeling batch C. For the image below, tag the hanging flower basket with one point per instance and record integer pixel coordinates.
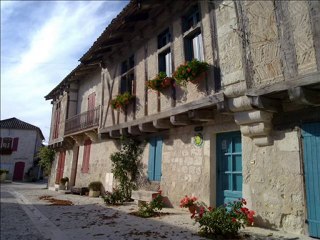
(160, 82)
(121, 101)
(192, 71)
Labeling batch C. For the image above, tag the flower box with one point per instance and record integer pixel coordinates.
(193, 71)
(121, 101)
(160, 82)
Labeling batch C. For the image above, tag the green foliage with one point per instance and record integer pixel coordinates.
(189, 71)
(125, 165)
(95, 186)
(114, 198)
(2, 171)
(224, 220)
(121, 100)
(160, 82)
(46, 156)
(150, 209)
(64, 180)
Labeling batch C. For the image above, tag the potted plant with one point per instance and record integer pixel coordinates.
(160, 82)
(190, 203)
(190, 72)
(3, 174)
(121, 101)
(94, 189)
(62, 183)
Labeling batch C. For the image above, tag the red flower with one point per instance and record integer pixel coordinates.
(189, 70)
(233, 219)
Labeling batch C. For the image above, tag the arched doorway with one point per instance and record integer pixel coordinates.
(18, 171)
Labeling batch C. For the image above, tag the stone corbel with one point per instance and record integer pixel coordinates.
(93, 135)
(254, 123)
(79, 139)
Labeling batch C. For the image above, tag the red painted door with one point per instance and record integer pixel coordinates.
(60, 167)
(18, 171)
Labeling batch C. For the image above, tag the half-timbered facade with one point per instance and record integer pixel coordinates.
(248, 128)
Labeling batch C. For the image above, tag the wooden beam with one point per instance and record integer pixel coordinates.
(208, 101)
(134, 130)
(124, 132)
(304, 96)
(180, 120)
(299, 81)
(115, 134)
(265, 104)
(147, 127)
(202, 115)
(121, 30)
(136, 17)
(162, 123)
(102, 50)
(111, 41)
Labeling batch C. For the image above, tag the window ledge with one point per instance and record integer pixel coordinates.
(192, 30)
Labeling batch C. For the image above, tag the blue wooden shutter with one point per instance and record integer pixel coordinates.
(311, 153)
(152, 151)
(158, 160)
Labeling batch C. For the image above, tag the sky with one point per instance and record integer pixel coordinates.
(41, 43)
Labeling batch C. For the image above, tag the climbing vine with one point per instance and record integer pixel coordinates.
(125, 165)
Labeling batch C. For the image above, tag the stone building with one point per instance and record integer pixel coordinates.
(20, 142)
(249, 128)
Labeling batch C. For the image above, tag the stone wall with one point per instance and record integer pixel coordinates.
(273, 182)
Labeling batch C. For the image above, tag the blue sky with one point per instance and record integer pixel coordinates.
(41, 42)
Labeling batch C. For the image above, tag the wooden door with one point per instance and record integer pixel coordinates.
(229, 167)
(311, 155)
(155, 159)
(18, 171)
(60, 167)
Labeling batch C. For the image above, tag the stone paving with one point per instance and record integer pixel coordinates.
(24, 216)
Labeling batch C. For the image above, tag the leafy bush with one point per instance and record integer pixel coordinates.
(189, 71)
(64, 180)
(95, 186)
(160, 82)
(224, 220)
(121, 100)
(125, 164)
(114, 198)
(2, 171)
(46, 156)
(152, 208)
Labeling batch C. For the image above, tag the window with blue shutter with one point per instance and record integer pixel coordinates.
(155, 159)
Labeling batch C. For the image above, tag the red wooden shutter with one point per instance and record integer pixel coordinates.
(15, 144)
(91, 101)
(60, 167)
(86, 156)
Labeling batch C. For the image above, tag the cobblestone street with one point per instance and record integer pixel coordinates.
(24, 216)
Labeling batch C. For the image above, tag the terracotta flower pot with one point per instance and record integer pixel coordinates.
(192, 209)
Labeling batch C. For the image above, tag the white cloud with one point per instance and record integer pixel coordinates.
(57, 35)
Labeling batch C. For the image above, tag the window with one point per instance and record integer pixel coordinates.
(193, 43)
(86, 156)
(127, 75)
(155, 159)
(191, 18)
(194, 47)
(56, 125)
(164, 55)
(8, 145)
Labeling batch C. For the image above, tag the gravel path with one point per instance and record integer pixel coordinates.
(25, 216)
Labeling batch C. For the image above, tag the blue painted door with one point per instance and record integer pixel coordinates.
(229, 167)
(311, 154)
(155, 159)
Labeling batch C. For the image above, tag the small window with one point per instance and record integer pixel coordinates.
(165, 64)
(194, 47)
(164, 38)
(6, 143)
(191, 18)
(127, 75)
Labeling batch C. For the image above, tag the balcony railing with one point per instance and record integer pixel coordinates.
(82, 121)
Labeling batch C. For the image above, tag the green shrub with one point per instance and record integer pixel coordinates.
(95, 186)
(150, 209)
(2, 171)
(114, 198)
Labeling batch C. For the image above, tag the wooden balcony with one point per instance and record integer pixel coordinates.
(82, 121)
